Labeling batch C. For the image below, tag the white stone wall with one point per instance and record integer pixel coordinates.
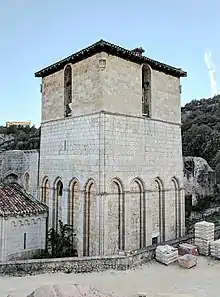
(31, 167)
(116, 87)
(144, 149)
(86, 88)
(106, 146)
(109, 141)
(70, 149)
(12, 235)
(20, 163)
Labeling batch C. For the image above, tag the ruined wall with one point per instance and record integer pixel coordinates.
(20, 166)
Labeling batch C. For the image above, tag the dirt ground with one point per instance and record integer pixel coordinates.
(152, 278)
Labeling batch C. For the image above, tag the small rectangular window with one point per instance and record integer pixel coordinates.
(25, 241)
(154, 240)
(64, 145)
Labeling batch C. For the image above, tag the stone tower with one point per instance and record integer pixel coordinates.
(111, 154)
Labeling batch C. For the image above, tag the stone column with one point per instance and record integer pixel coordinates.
(4, 240)
(81, 223)
(182, 212)
(148, 208)
(51, 206)
(64, 205)
(103, 207)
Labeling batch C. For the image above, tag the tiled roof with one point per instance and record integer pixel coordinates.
(115, 50)
(14, 200)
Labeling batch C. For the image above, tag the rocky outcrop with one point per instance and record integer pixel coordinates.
(199, 178)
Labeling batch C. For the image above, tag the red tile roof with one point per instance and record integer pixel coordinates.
(14, 200)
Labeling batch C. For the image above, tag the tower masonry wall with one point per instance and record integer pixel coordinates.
(103, 147)
(109, 83)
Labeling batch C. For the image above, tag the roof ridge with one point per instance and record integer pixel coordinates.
(114, 50)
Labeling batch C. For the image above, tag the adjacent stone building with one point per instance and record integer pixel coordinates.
(21, 167)
(23, 223)
(111, 155)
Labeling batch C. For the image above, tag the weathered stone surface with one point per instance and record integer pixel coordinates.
(128, 168)
(199, 178)
(22, 167)
(187, 261)
(70, 290)
(85, 264)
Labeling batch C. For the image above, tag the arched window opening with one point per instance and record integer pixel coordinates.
(59, 188)
(45, 191)
(161, 210)
(177, 207)
(26, 181)
(137, 214)
(57, 205)
(11, 178)
(119, 198)
(73, 204)
(67, 91)
(142, 212)
(146, 90)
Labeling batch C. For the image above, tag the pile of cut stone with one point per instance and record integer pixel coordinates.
(187, 261)
(204, 235)
(186, 248)
(215, 248)
(166, 254)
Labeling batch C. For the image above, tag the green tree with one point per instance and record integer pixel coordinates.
(61, 243)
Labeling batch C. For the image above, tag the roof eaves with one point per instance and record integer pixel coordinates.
(110, 48)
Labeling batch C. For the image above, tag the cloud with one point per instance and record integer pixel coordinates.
(211, 70)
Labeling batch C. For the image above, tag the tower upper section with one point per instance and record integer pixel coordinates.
(107, 77)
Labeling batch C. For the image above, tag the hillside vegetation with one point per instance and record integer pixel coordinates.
(19, 138)
(201, 130)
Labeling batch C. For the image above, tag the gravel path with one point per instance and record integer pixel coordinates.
(153, 278)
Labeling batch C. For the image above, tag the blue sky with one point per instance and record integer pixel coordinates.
(35, 34)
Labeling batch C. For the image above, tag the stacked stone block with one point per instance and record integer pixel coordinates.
(204, 235)
(215, 248)
(186, 248)
(166, 254)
